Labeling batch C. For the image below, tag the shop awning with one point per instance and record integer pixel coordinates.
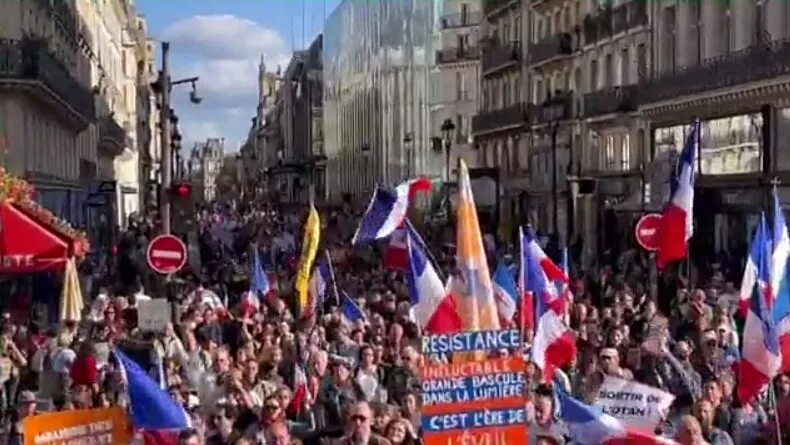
(26, 246)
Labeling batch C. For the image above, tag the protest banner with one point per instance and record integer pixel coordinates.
(474, 402)
(153, 315)
(635, 404)
(91, 426)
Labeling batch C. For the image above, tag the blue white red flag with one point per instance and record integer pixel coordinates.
(760, 354)
(554, 344)
(677, 222)
(152, 407)
(387, 210)
(506, 294)
(589, 425)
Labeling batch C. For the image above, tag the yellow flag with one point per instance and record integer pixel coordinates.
(312, 236)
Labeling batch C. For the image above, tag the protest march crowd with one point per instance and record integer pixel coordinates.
(288, 333)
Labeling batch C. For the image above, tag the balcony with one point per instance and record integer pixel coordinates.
(498, 56)
(455, 55)
(491, 6)
(620, 99)
(607, 22)
(460, 20)
(555, 109)
(551, 47)
(27, 64)
(112, 137)
(620, 19)
(755, 63)
(511, 117)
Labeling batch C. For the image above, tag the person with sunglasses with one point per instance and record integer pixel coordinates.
(359, 431)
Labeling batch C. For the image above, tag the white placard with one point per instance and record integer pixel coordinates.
(635, 404)
(153, 315)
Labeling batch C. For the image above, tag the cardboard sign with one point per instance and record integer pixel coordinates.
(89, 426)
(635, 404)
(478, 402)
(153, 315)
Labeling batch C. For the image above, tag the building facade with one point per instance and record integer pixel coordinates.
(455, 80)
(47, 110)
(725, 63)
(377, 61)
(204, 165)
(501, 125)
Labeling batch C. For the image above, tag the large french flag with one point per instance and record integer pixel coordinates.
(387, 210)
(760, 354)
(430, 303)
(505, 294)
(589, 425)
(677, 223)
(779, 282)
(749, 279)
(397, 255)
(554, 344)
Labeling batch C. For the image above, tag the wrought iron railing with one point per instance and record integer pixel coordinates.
(459, 20)
(512, 116)
(562, 100)
(550, 47)
(611, 100)
(497, 56)
(758, 62)
(490, 6)
(110, 130)
(29, 59)
(607, 21)
(451, 55)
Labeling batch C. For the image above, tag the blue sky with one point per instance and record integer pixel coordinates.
(222, 42)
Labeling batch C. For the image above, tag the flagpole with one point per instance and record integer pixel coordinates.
(427, 251)
(332, 276)
(775, 402)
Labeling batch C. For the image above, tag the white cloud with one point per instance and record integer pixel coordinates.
(225, 37)
(224, 51)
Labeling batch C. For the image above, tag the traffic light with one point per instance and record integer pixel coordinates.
(181, 190)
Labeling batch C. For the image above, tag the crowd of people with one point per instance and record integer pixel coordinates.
(264, 375)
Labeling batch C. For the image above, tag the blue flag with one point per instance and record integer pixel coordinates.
(259, 283)
(351, 311)
(152, 407)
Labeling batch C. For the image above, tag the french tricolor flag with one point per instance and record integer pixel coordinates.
(397, 256)
(749, 279)
(677, 223)
(505, 294)
(387, 210)
(432, 309)
(554, 344)
(760, 354)
(589, 425)
(780, 307)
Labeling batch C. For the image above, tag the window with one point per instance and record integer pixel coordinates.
(641, 61)
(696, 31)
(625, 152)
(506, 100)
(668, 43)
(464, 13)
(593, 75)
(625, 67)
(609, 156)
(608, 75)
(459, 85)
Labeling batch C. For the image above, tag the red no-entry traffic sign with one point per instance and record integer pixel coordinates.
(646, 231)
(167, 254)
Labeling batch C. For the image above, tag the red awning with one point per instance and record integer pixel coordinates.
(26, 246)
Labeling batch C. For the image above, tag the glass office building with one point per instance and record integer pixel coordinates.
(377, 61)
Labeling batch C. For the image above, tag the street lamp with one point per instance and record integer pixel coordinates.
(448, 131)
(407, 141)
(553, 111)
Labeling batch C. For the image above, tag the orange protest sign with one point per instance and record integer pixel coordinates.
(89, 426)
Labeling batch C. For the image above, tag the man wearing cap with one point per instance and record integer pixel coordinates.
(26, 407)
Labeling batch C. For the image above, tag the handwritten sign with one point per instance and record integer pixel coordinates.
(89, 426)
(635, 404)
(471, 341)
(477, 402)
(153, 315)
